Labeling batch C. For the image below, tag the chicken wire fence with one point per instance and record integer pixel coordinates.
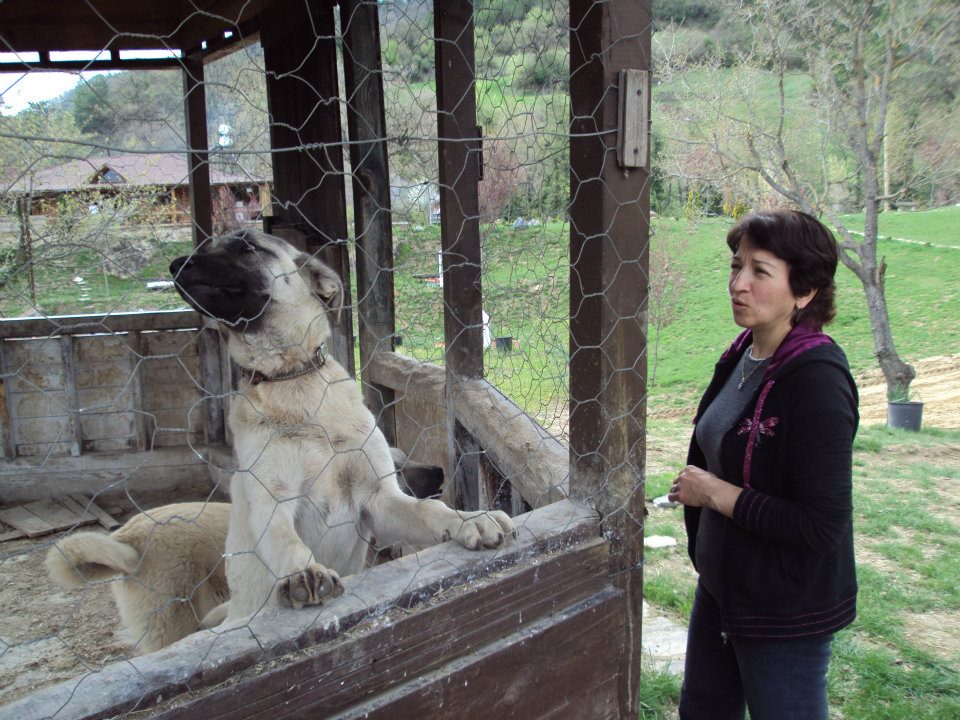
(115, 403)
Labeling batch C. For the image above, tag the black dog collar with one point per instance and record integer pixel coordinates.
(318, 361)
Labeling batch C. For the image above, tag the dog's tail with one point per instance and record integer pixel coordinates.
(86, 556)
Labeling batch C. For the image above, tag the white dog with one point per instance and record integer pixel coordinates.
(316, 482)
(168, 562)
(168, 565)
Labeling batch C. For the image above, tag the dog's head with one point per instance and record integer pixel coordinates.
(273, 299)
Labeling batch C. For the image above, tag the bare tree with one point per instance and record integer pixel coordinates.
(823, 146)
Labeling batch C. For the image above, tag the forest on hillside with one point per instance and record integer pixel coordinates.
(713, 65)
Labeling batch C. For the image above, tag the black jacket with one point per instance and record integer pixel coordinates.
(787, 558)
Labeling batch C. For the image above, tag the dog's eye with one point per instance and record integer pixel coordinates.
(242, 247)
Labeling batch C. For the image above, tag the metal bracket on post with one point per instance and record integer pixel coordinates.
(634, 120)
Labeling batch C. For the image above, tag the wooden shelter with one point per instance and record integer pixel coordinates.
(549, 627)
(161, 179)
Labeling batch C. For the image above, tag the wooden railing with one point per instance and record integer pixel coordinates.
(518, 449)
(85, 399)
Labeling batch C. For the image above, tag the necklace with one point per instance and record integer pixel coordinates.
(744, 376)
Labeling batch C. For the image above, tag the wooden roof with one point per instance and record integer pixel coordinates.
(113, 25)
(134, 170)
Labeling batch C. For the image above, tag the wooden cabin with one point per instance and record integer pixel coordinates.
(161, 181)
(134, 403)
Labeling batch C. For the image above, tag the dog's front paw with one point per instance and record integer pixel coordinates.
(312, 586)
(484, 529)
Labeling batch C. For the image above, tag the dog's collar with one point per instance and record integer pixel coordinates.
(318, 360)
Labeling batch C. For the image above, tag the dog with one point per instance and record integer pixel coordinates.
(168, 562)
(316, 486)
(169, 567)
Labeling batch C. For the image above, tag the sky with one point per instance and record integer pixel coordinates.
(18, 89)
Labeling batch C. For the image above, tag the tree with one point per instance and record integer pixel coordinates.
(827, 132)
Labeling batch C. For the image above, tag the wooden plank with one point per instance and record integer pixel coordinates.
(335, 678)
(54, 429)
(102, 348)
(212, 384)
(37, 351)
(41, 475)
(168, 345)
(371, 199)
(38, 404)
(634, 122)
(58, 513)
(198, 158)
(70, 391)
(141, 440)
(35, 378)
(534, 461)
(102, 516)
(41, 449)
(609, 227)
(110, 323)
(78, 509)
(508, 679)
(6, 408)
(26, 522)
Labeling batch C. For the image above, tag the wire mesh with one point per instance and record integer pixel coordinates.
(120, 404)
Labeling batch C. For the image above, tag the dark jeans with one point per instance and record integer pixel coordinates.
(776, 679)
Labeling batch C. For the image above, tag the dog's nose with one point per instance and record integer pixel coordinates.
(177, 264)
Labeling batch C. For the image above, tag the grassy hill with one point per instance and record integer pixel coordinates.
(526, 281)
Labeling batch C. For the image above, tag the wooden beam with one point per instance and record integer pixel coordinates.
(54, 325)
(373, 234)
(609, 221)
(460, 232)
(508, 678)
(72, 396)
(160, 473)
(527, 455)
(6, 409)
(400, 671)
(136, 390)
(198, 158)
(300, 55)
(211, 381)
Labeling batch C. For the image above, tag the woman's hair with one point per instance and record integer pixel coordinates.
(809, 249)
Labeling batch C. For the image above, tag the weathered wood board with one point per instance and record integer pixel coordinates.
(43, 517)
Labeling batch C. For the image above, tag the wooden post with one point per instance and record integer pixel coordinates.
(142, 440)
(300, 55)
(459, 230)
(71, 393)
(609, 217)
(212, 381)
(198, 159)
(371, 198)
(201, 208)
(6, 408)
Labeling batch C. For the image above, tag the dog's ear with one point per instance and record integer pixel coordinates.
(323, 281)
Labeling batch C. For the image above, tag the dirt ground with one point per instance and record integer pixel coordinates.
(937, 386)
(48, 634)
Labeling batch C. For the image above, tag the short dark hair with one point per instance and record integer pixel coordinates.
(807, 246)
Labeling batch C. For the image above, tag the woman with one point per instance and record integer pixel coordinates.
(767, 487)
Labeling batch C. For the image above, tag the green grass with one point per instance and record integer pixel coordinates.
(932, 226)
(908, 539)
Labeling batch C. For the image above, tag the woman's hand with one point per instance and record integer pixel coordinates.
(698, 488)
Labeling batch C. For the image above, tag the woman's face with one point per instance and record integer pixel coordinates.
(760, 291)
